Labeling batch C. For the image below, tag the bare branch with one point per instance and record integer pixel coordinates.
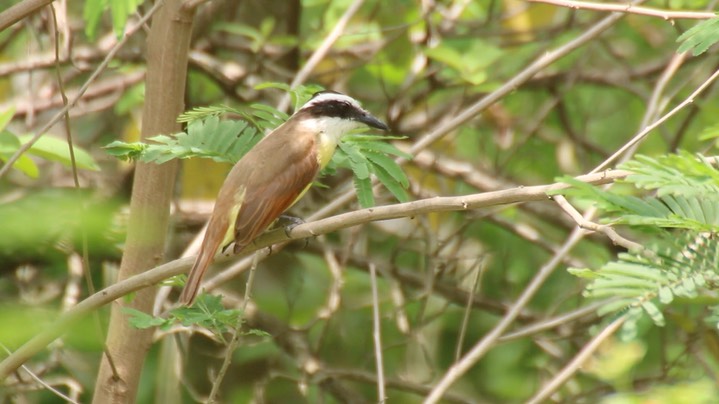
(643, 134)
(321, 51)
(577, 362)
(377, 335)
(630, 9)
(583, 223)
(152, 277)
(19, 11)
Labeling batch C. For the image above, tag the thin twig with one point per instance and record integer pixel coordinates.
(477, 352)
(642, 134)
(190, 5)
(395, 383)
(654, 105)
(236, 333)
(20, 10)
(377, 335)
(85, 258)
(583, 223)
(576, 362)
(334, 297)
(398, 299)
(544, 325)
(478, 272)
(630, 9)
(321, 51)
(40, 381)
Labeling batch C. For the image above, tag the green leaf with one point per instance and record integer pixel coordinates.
(223, 141)
(200, 113)
(267, 26)
(6, 117)
(654, 313)
(700, 37)
(675, 267)
(55, 149)
(245, 30)
(258, 333)
(131, 98)
(614, 306)
(363, 187)
(92, 14)
(207, 312)
(709, 132)
(120, 10)
(389, 166)
(269, 114)
(665, 295)
(378, 144)
(632, 270)
(687, 194)
(460, 56)
(390, 182)
(358, 163)
(299, 95)
(363, 154)
(584, 273)
(141, 320)
(273, 84)
(9, 144)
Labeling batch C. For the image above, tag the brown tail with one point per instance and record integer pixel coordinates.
(192, 286)
(210, 245)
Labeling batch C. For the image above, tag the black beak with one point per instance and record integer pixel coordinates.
(369, 120)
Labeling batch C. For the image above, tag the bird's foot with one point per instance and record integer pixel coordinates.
(289, 223)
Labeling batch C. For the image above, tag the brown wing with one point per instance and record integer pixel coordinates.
(264, 183)
(290, 175)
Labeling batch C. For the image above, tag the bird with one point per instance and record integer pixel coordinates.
(274, 175)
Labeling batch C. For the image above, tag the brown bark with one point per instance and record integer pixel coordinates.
(167, 55)
(19, 11)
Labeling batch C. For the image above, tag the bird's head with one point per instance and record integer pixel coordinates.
(336, 114)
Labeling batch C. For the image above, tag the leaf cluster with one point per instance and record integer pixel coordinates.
(208, 312)
(120, 10)
(700, 37)
(365, 155)
(681, 260)
(46, 147)
(222, 141)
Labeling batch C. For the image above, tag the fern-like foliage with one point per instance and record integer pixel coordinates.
(681, 255)
(208, 312)
(700, 37)
(223, 141)
(207, 136)
(365, 155)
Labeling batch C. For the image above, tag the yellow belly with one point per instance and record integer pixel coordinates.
(326, 149)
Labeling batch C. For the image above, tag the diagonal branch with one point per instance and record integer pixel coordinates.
(630, 9)
(152, 277)
(19, 11)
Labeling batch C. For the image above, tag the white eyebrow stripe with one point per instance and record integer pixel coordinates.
(332, 97)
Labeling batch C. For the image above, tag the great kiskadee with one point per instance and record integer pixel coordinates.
(275, 174)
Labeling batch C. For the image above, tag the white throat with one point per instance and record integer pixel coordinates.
(328, 131)
(331, 126)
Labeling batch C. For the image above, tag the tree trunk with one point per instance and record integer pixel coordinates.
(167, 52)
